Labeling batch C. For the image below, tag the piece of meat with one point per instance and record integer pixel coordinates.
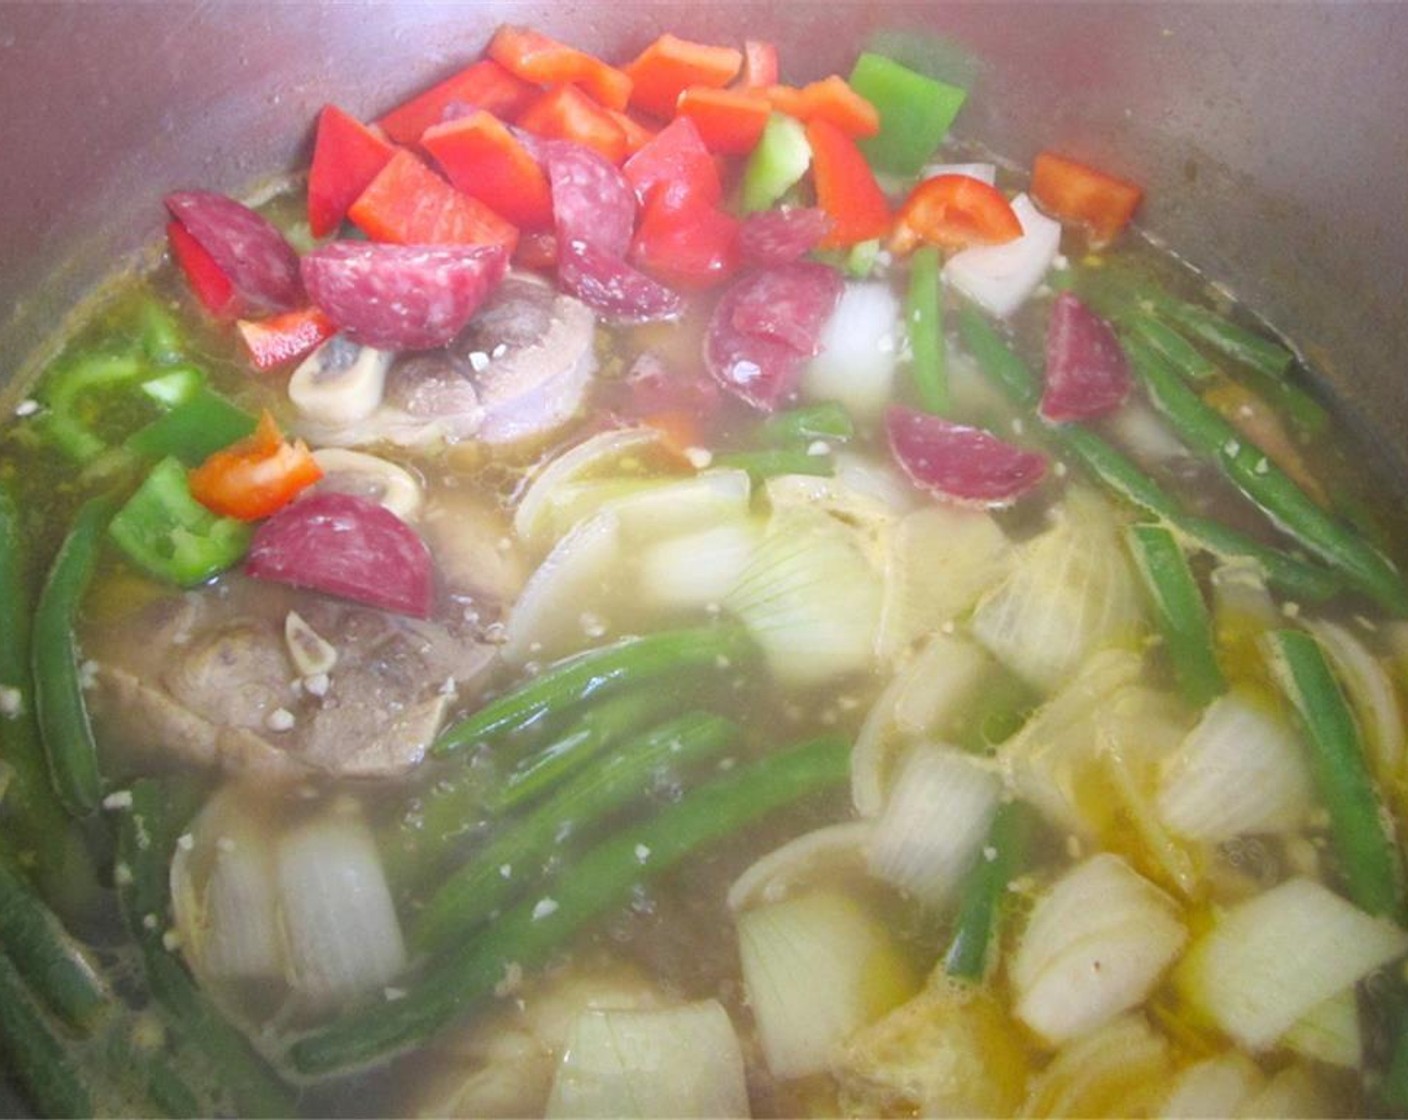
(1087, 373)
(401, 297)
(610, 286)
(777, 237)
(965, 465)
(250, 251)
(592, 202)
(207, 678)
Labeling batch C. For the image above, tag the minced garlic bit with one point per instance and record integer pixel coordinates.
(185, 841)
(478, 360)
(280, 719)
(512, 981)
(499, 351)
(642, 853)
(317, 684)
(544, 908)
(698, 457)
(171, 941)
(11, 702)
(1290, 609)
(506, 870)
(393, 994)
(121, 799)
(122, 874)
(1262, 466)
(27, 407)
(593, 625)
(1231, 447)
(818, 447)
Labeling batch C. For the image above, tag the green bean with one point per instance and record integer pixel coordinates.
(1238, 343)
(826, 420)
(150, 1070)
(58, 690)
(924, 318)
(598, 671)
(1181, 612)
(504, 867)
(1363, 842)
(604, 878)
(53, 1080)
(971, 949)
(770, 464)
(1266, 485)
(1191, 362)
(146, 840)
(55, 966)
(1119, 474)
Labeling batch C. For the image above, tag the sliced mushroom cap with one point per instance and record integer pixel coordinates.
(371, 477)
(340, 382)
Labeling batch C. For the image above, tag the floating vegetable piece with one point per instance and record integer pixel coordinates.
(916, 112)
(845, 187)
(776, 164)
(670, 65)
(401, 297)
(409, 204)
(1087, 373)
(260, 264)
(282, 338)
(347, 155)
(565, 113)
(257, 476)
(1077, 193)
(346, 546)
(675, 159)
(1000, 278)
(730, 121)
(858, 351)
(207, 280)
(685, 241)
(954, 212)
(482, 158)
(483, 85)
(963, 464)
(537, 58)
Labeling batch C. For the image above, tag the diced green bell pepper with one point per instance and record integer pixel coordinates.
(194, 429)
(170, 535)
(777, 164)
(916, 112)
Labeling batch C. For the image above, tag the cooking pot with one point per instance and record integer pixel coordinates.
(1269, 137)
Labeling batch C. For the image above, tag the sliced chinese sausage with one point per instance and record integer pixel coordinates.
(965, 465)
(611, 287)
(246, 246)
(1087, 373)
(402, 297)
(346, 546)
(592, 202)
(776, 237)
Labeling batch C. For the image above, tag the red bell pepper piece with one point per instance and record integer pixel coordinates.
(485, 85)
(256, 476)
(409, 204)
(481, 157)
(685, 241)
(670, 65)
(954, 212)
(845, 187)
(832, 99)
(729, 120)
(786, 99)
(1074, 192)
(282, 338)
(536, 58)
(346, 157)
(637, 135)
(566, 113)
(677, 158)
(211, 287)
(760, 68)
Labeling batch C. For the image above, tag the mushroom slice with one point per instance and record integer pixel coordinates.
(371, 477)
(340, 383)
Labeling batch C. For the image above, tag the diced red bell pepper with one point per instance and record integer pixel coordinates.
(282, 338)
(760, 68)
(685, 241)
(485, 85)
(536, 58)
(256, 476)
(566, 113)
(208, 282)
(676, 158)
(637, 135)
(954, 212)
(481, 158)
(832, 99)
(346, 157)
(409, 204)
(845, 187)
(786, 99)
(1074, 192)
(729, 120)
(670, 65)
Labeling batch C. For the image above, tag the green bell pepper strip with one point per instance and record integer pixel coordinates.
(971, 949)
(1181, 613)
(593, 885)
(1119, 474)
(64, 391)
(1362, 839)
(193, 430)
(170, 535)
(800, 426)
(924, 319)
(1265, 484)
(58, 689)
(777, 163)
(916, 112)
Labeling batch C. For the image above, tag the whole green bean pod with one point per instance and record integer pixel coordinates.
(564, 685)
(1120, 475)
(1238, 343)
(970, 950)
(58, 688)
(1361, 836)
(1266, 485)
(924, 321)
(604, 878)
(823, 420)
(1191, 362)
(503, 868)
(50, 1074)
(1181, 612)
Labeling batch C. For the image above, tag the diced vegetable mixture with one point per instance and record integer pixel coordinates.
(638, 588)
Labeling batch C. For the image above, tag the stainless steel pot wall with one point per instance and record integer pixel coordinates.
(1270, 136)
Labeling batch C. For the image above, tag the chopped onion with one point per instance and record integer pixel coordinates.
(1213, 1087)
(816, 967)
(680, 1061)
(653, 508)
(561, 603)
(1071, 593)
(343, 939)
(1145, 434)
(924, 697)
(1272, 959)
(1329, 1032)
(1000, 278)
(1241, 769)
(940, 560)
(698, 569)
(1372, 694)
(1095, 946)
(777, 874)
(593, 457)
(810, 598)
(934, 823)
(1119, 1070)
(859, 350)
